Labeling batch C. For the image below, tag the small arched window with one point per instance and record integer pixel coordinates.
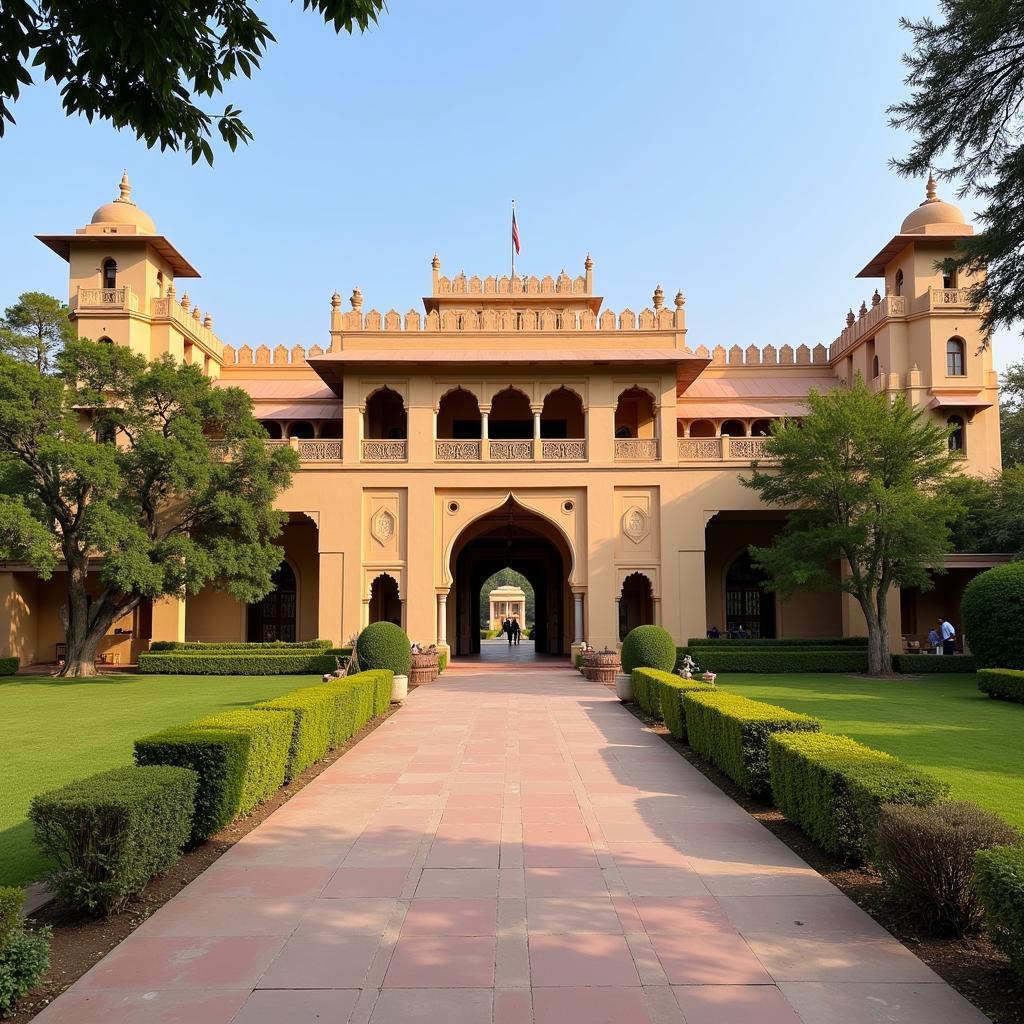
(955, 357)
(897, 285)
(109, 273)
(874, 367)
(105, 340)
(160, 284)
(958, 435)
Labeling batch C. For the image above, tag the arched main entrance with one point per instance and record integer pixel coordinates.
(274, 617)
(749, 608)
(515, 537)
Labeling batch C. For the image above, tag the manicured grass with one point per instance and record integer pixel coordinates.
(55, 730)
(940, 723)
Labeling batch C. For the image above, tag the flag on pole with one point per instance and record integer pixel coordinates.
(515, 230)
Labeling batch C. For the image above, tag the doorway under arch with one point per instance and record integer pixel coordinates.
(636, 603)
(385, 600)
(275, 616)
(749, 608)
(514, 537)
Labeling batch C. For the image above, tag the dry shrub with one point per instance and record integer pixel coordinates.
(926, 854)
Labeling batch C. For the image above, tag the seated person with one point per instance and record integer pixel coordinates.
(713, 633)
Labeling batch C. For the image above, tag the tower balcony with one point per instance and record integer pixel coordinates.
(121, 298)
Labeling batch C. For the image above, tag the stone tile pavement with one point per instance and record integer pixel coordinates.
(512, 847)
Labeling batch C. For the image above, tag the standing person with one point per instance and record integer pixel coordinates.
(516, 631)
(507, 628)
(934, 641)
(948, 634)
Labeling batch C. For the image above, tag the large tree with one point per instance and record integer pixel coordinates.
(861, 477)
(107, 470)
(148, 66)
(35, 329)
(1011, 414)
(989, 517)
(966, 73)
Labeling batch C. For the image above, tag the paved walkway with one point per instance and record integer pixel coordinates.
(512, 847)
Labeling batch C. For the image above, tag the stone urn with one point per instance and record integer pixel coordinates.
(424, 668)
(709, 677)
(624, 687)
(399, 689)
(601, 666)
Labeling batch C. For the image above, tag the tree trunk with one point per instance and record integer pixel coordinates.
(879, 658)
(86, 623)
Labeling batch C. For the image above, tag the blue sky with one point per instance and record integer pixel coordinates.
(738, 151)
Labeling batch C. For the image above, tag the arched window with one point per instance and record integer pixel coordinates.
(385, 602)
(302, 429)
(109, 273)
(273, 429)
(955, 357)
(562, 415)
(636, 603)
(273, 618)
(897, 285)
(330, 429)
(875, 369)
(511, 416)
(385, 416)
(105, 340)
(458, 416)
(160, 284)
(958, 435)
(734, 428)
(635, 412)
(749, 609)
(702, 428)
(949, 277)
(761, 428)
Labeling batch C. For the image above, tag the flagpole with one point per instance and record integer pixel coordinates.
(513, 239)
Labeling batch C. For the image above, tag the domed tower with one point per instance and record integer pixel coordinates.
(922, 338)
(121, 284)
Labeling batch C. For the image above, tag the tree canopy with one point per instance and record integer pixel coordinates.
(35, 329)
(107, 468)
(861, 476)
(989, 512)
(148, 66)
(966, 73)
(1011, 414)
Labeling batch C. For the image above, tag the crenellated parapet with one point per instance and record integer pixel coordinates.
(506, 285)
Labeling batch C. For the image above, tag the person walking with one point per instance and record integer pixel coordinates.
(948, 634)
(515, 631)
(506, 627)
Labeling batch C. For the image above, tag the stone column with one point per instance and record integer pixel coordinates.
(442, 620)
(577, 628)
(169, 619)
(485, 448)
(536, 433)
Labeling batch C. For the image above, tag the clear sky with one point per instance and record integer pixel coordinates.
(738, 151)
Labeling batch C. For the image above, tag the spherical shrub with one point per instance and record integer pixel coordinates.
(927, 855)
(648, 647)
(992, 622)
(384, 645)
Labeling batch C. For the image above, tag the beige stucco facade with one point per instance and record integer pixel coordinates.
(516, 422)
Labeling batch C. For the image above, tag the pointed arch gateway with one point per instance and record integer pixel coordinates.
(512, 536)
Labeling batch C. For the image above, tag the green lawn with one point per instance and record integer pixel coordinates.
(55, 730)
(941, 723)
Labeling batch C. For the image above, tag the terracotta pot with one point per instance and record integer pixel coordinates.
(624, 687)
(424, 668)
(601, 666)
(399, 689)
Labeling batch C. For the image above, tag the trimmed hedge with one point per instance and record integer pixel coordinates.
(999, 877)
(776, 659)
(312, 661)
(217, 756)
(12, 899)
(384, 645)
(930, 664)
(794, 642)
(357, 699)
(314, 710)
(109, 834)
(732, 732)
(280, 646)
(660, 694)
(1002, 683)
(992, 620)
(23, 961)
(648, 647)
(8, 666)
(270, 738)
(833, 787)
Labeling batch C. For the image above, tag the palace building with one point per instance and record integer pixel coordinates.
(514, 421)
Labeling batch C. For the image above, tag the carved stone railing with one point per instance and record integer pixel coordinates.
(636, 449)
(889, 306)
(510, 451)
(457, 451)
(747, 448)
(700, 449)
(106, 298)
(385, 451)
(563, 450)
(320, 450)
(946, 298)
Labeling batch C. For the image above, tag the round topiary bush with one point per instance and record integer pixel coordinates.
(384, 645)
(648, 647)
(993, 624)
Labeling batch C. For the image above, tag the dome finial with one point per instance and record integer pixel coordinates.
(588, 263)
(931, 193)
(436, 262)
(126, 189)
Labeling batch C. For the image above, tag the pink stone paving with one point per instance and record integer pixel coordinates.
(511, 847)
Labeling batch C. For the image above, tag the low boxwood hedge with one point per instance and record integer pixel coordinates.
(314, 710)
(794, 642)
(775, 659)
(218, 757)
(929, 664)
(832, 787)
(648, 647)
(202, 646)
(8, 666)
(732, 732)
(1001, 683)
(270, 739)
(999, 877)
(109, 834)
(358, 699)
(312, 661)
(660, 694)
(12, 899)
